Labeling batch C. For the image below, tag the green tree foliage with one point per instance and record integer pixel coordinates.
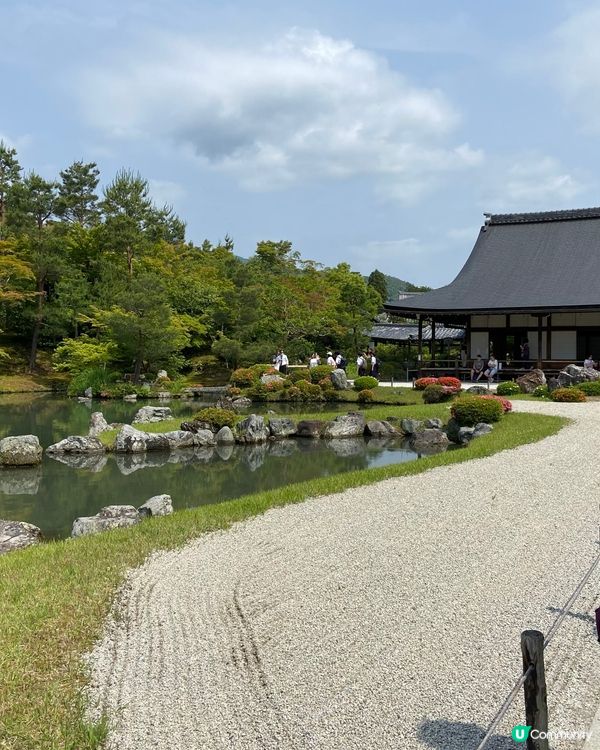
(10, 174)
(377, 282)
(77, 199)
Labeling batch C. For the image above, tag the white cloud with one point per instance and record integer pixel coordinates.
(304, 107)
(166, 192)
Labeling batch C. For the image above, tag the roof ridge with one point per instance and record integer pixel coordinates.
(535, 217)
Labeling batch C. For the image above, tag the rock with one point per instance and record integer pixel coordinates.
(410, 426)
(251, 430)
(111, 517)
(98, 424)
(310, 428)
(203, 438)
(241, 403)
(149, 414)
(84, 400)
(162, 375)
(77, 444)
(573, 374)
(530, 381)
(225, 436)
(430, 437)
(21, 481)
(458, 434)
(478, 390)
(339, 380)
(282, 427)
(88, 393)
(181, 439)
(552, 384)
(465, 435)
(482, 428)
(164, 395)
(17, 535)
(194, 426)
(130, 440)
(20, 450)
(377, 428)
(346, 425)
(267, 379)
(130, 397)
(159, 505)
(435, 423)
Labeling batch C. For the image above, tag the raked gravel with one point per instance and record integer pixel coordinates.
(386, 616)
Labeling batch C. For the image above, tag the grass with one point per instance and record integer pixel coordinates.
(56, 596)
(31, 383)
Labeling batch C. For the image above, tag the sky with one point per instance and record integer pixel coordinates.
(371, 133)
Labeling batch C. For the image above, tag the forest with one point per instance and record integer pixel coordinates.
(106, 281)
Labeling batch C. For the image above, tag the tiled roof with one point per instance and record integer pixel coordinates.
(392, 332)
(541, 216)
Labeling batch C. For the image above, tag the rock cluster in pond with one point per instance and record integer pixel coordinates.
(20, 450)
(130, 440)
(18, 535)
(252, 429)
(150, 414)
(122, 516)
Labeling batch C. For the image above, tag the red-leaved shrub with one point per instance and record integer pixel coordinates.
(506, 404)
(450, 382)
(422, 383)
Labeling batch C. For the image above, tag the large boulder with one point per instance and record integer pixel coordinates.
(282, 427)
(478, 390)
(241, 403)
(430, 438)
(148, 414)
(346, 425)
(130, 440)
(410, 426)
(458, 434)
(225, 436)
(88, 393)
(20, 450)
(531, 380)
(435, 423)
(573, 374)
(111, 517)
(204, 438)
(159, 505)
(17, 535)
(482, 428)
(268, 379)
(181, 439)
(310, 428)
(339, 380)
(379, 428)
(251, 430)
(98, 424)
(77, 444)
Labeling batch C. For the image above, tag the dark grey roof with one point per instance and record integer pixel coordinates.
(392, 332)
(540, 261)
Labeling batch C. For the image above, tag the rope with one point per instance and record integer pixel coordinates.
(551, 633)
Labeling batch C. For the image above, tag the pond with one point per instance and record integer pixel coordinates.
(52, 495)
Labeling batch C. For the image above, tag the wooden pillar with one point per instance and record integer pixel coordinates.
(468, 338)
(549, 337)
(539, 342)
(536, 702)
(433, 339)
(420, 344)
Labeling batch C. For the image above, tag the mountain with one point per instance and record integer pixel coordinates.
(396, 285)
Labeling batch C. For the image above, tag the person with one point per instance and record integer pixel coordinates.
(361, 364)
(283, 363)
(340, 361)
(374, 366)
(463, 358)
(277, 360)
(525, 350)
(589, 363)
(314, 360)
(330, 359)
(492, 368)
(477, 369)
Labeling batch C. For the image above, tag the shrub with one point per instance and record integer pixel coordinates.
(259, 370)
(422, 383)
(96, 378)
(258, 392)
(470, 410)
(570, 395)
(508, 388)
(217, 418)
(310, 390)
(294, 394)
(504, 402)
(243, 377)
(366, 395)
(590, 387)
(233, 391)
(541, 391)
(276, 385)
(302, 373)
(365, 382)
(319, 372)
(450, 382)
(435, 393)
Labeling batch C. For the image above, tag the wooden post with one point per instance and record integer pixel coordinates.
(433, 341)
(536, 705)
(549, 337)
(539, 346)
(420, 344)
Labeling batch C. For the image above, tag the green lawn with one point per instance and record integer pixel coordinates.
(56, 596)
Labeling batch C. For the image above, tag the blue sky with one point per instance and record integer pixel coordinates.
(374, 133)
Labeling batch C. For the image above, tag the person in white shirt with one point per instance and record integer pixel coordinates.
(374, 366)
(277, 360)
(492, 368)
(361, 364)
(589, 363)
(330, 359)
(283, 367)
(314, 360)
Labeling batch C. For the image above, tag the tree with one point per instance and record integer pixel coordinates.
(77, 199)
(33, 202)
(377, 281)
(76, 355)
(10, 173)
(229, 350)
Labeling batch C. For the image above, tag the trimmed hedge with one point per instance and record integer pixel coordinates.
(590, 387)
(302, 373)
(365, 396)
(470, 410)
(365, 382)
(504, 402)
(541, 391)
(568, 395)
(310, 390)
(435, 393)
(508, 388)
(244, 377)
(450, 382)
(319, 372)
(217, 418)
(422, 383)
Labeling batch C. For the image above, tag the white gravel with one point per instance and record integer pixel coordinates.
(386, 616)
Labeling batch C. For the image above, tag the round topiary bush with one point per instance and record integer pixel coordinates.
(310, 391)
(422, 383)
(366, 396)
(568, 395)
(508, 388)
(435, 393)
(260, 370)
(243, 377)
(504, 402)
(365, 382)
(449, 382)
(541, 391)
(294, 394)
(590, 388)
(302, 373)
(319, 372)
(234, 391)
(217, 418)
(470, 410)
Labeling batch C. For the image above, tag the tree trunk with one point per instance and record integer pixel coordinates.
(129, 261)
(137, 371)
(37, 327)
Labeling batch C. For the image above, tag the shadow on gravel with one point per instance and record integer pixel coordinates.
(455, 735)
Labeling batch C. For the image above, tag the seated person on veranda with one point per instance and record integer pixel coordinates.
(477, 368)
(589, 363)
(492, 368)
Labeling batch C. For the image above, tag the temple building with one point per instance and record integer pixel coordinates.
(532, 277)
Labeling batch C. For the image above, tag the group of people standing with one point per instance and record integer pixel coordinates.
(367, 364)
(334, 359)
(281, 362)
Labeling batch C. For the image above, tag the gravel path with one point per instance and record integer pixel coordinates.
(383, 617)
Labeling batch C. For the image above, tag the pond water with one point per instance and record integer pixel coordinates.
(52, 495)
